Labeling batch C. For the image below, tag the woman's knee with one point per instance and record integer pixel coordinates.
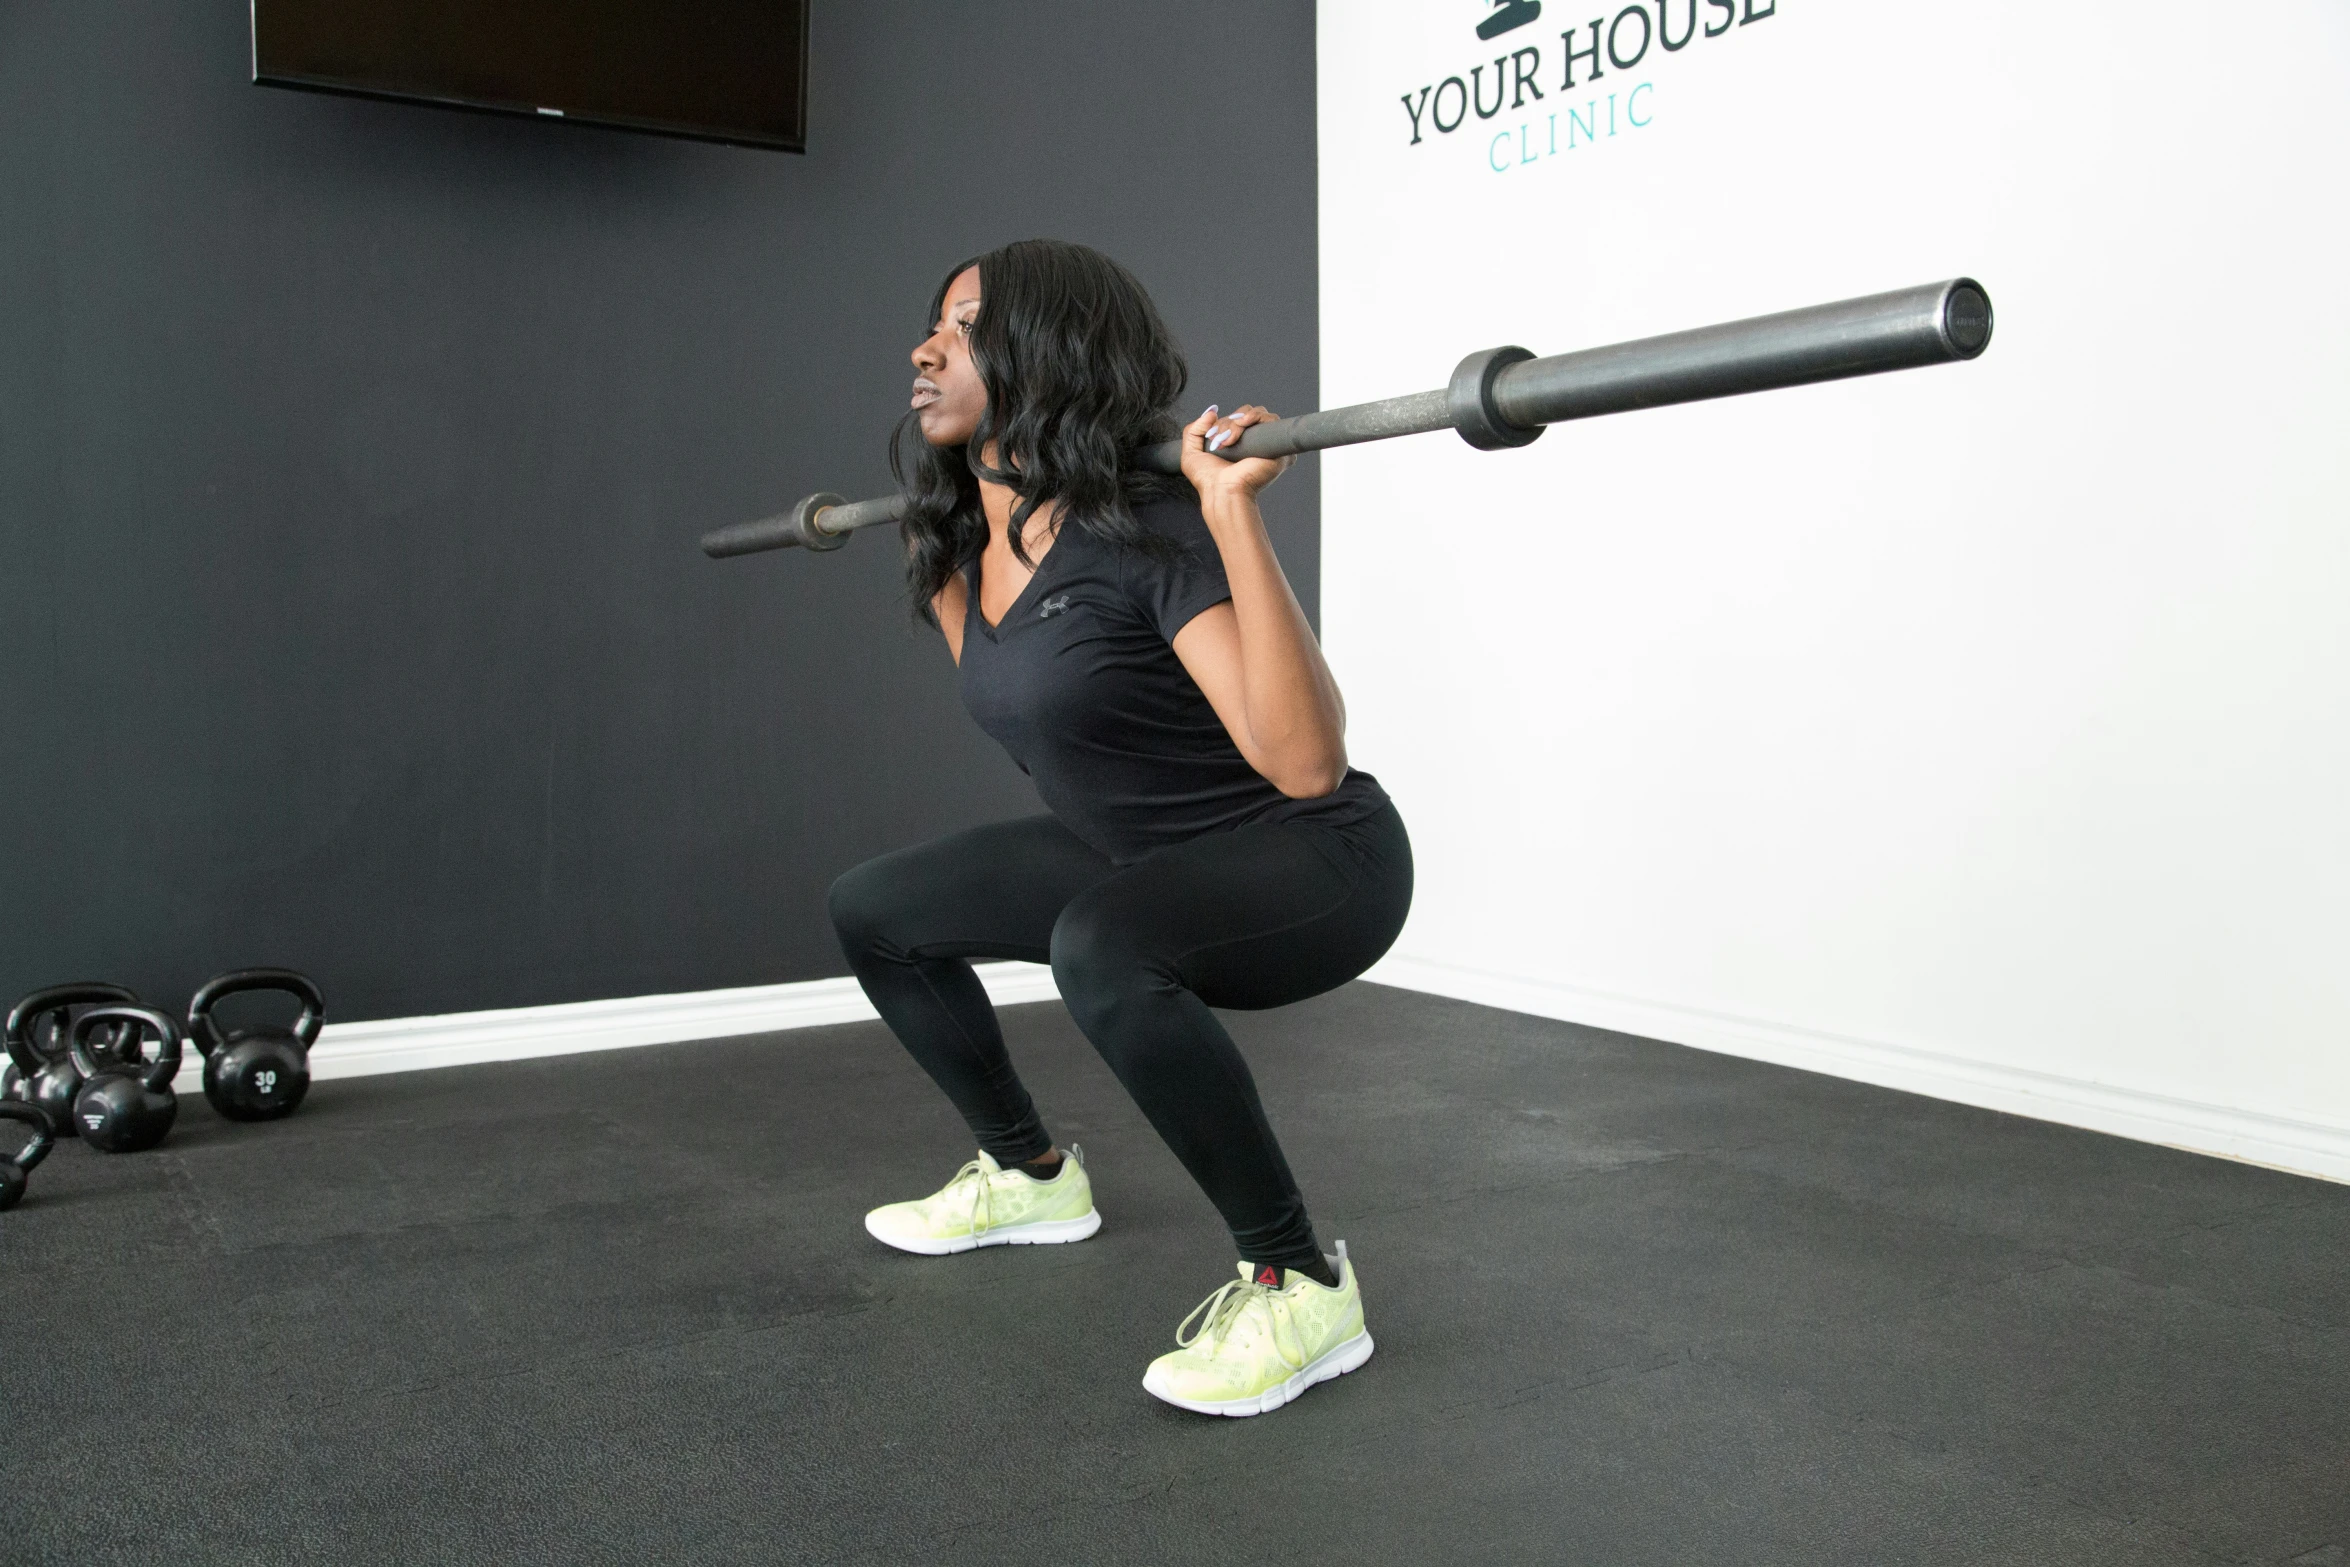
(1097, 964)
(860, 905)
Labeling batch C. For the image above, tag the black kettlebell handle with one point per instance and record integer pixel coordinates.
(33, 1152)
(27, 1014)
(160, 1071)
(206, 1033)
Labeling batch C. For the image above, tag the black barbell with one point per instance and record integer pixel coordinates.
(1505, 397)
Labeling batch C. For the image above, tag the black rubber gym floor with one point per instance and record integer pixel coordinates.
(1634, 1304)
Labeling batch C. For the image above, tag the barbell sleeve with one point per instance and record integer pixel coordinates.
(1904, 330)
(1502, 397)
(800, 525)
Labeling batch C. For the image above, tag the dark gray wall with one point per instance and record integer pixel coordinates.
(352, 455)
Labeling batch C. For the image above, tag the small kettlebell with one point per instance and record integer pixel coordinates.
(126, 1106)
(18, 1165)
(256, 1074)
(41, 1071)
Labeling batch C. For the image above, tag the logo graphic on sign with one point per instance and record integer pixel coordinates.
(1613, 104)
(1513, 13)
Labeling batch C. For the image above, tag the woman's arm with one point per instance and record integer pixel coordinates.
(1255, 657)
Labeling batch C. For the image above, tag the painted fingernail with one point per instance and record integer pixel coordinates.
(1211, 412)
(1217, 440)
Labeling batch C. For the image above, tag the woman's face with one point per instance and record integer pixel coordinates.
(948, 394)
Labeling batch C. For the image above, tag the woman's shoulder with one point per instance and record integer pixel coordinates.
(1175, 517)
(1174, 570)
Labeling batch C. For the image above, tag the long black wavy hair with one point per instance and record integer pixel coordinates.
(1079, 371)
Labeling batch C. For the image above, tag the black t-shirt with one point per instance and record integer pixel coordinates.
(1080, 683)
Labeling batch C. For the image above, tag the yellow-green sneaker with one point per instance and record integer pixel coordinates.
(1255, 1345)
(988, 1205)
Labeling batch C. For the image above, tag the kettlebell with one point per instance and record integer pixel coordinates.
(256, 1074)
(127, 1106)
(18, 1165)
(41, 1071)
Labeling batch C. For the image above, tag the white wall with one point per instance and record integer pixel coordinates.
(1983, 730)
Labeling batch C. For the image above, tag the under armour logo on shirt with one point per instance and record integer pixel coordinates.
(1051, 607)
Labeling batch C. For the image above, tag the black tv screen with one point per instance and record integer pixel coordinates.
(727, 70)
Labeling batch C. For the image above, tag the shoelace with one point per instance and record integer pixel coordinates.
(1221, 1311)
(983, 1198)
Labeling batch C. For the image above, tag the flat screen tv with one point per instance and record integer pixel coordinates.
(724, 70)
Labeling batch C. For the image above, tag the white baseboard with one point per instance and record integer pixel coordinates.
(411, 1044)
(2301, 1147)
(469, 1038)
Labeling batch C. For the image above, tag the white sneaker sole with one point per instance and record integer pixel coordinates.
(1047, 1232)
(1329, 1366)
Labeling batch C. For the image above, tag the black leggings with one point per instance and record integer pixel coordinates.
(1258, 917)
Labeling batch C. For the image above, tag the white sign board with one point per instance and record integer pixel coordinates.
(1983, 729)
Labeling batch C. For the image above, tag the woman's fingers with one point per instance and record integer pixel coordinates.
(1217, 433)
(1227, 429)
(1215, 430)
